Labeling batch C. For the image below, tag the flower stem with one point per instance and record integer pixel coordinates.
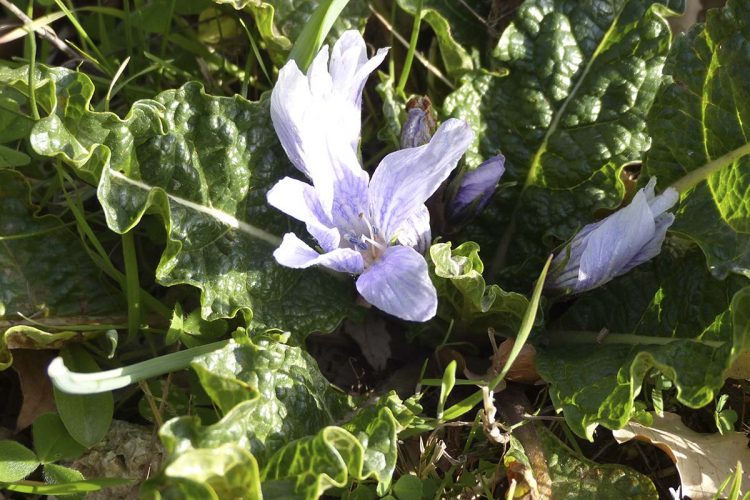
(691, 179)
(109, 380)
(560, 338)
(412, 49)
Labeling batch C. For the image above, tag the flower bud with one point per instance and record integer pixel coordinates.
(420, 123)
(616, 244)
(473, 189)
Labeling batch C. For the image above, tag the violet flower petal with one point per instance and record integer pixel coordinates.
(399, 284)
(415, 232)
(476, 188)
(297, 254)
(406, 178)
(299, 200)
(613, 246)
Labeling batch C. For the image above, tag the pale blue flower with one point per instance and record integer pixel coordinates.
(613, 246)
(475, 189)
(377, 228)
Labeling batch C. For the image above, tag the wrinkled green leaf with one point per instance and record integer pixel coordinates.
(45, 272)
(466, 297)
(271, 393)
(227, 471)
(86, 417)
(365, 447)
(700, 114)
(45, 268)
(667, 315)
(192, 330)
(582, 76)
(204, 164)
(283, 411)
(394, 110)
(574, 476)
(461, 28)
(16, 461)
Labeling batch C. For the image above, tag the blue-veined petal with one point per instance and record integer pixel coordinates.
(399, 284)
(406, 178)
(415, 232)
(613, 244)
(349, 70)
(300, 200)
(295, 253)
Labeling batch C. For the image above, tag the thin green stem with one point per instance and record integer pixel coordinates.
(582, 337)
(412, 49)
(100, 256)
(691, 179)
(109, 380)
(529, 317)
(32, 65)
(132, 285)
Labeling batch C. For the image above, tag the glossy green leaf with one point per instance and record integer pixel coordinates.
(204, 164)
(271, 394)
(45, 272)
(86, 417)
(227, 471)
(667, 315)
(571, 112)
(700, 114)
(52, 441)
(465, 296)
(365, 447)
(16, 461)
(461, 28)
(574, 476)
(283, 411)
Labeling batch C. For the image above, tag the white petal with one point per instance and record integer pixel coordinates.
(415, 232)
(318, 118)
(349, 70)
(295, 253)
(406, 178)
(299, 200)
(399, 284)
(653, 247)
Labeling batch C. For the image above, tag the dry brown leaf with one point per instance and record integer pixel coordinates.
(524, 367)
(704, 461)
(31, 366)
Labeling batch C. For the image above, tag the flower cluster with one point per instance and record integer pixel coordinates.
(377, 228)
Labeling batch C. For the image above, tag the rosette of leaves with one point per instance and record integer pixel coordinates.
(203, 163)
(286, 432)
